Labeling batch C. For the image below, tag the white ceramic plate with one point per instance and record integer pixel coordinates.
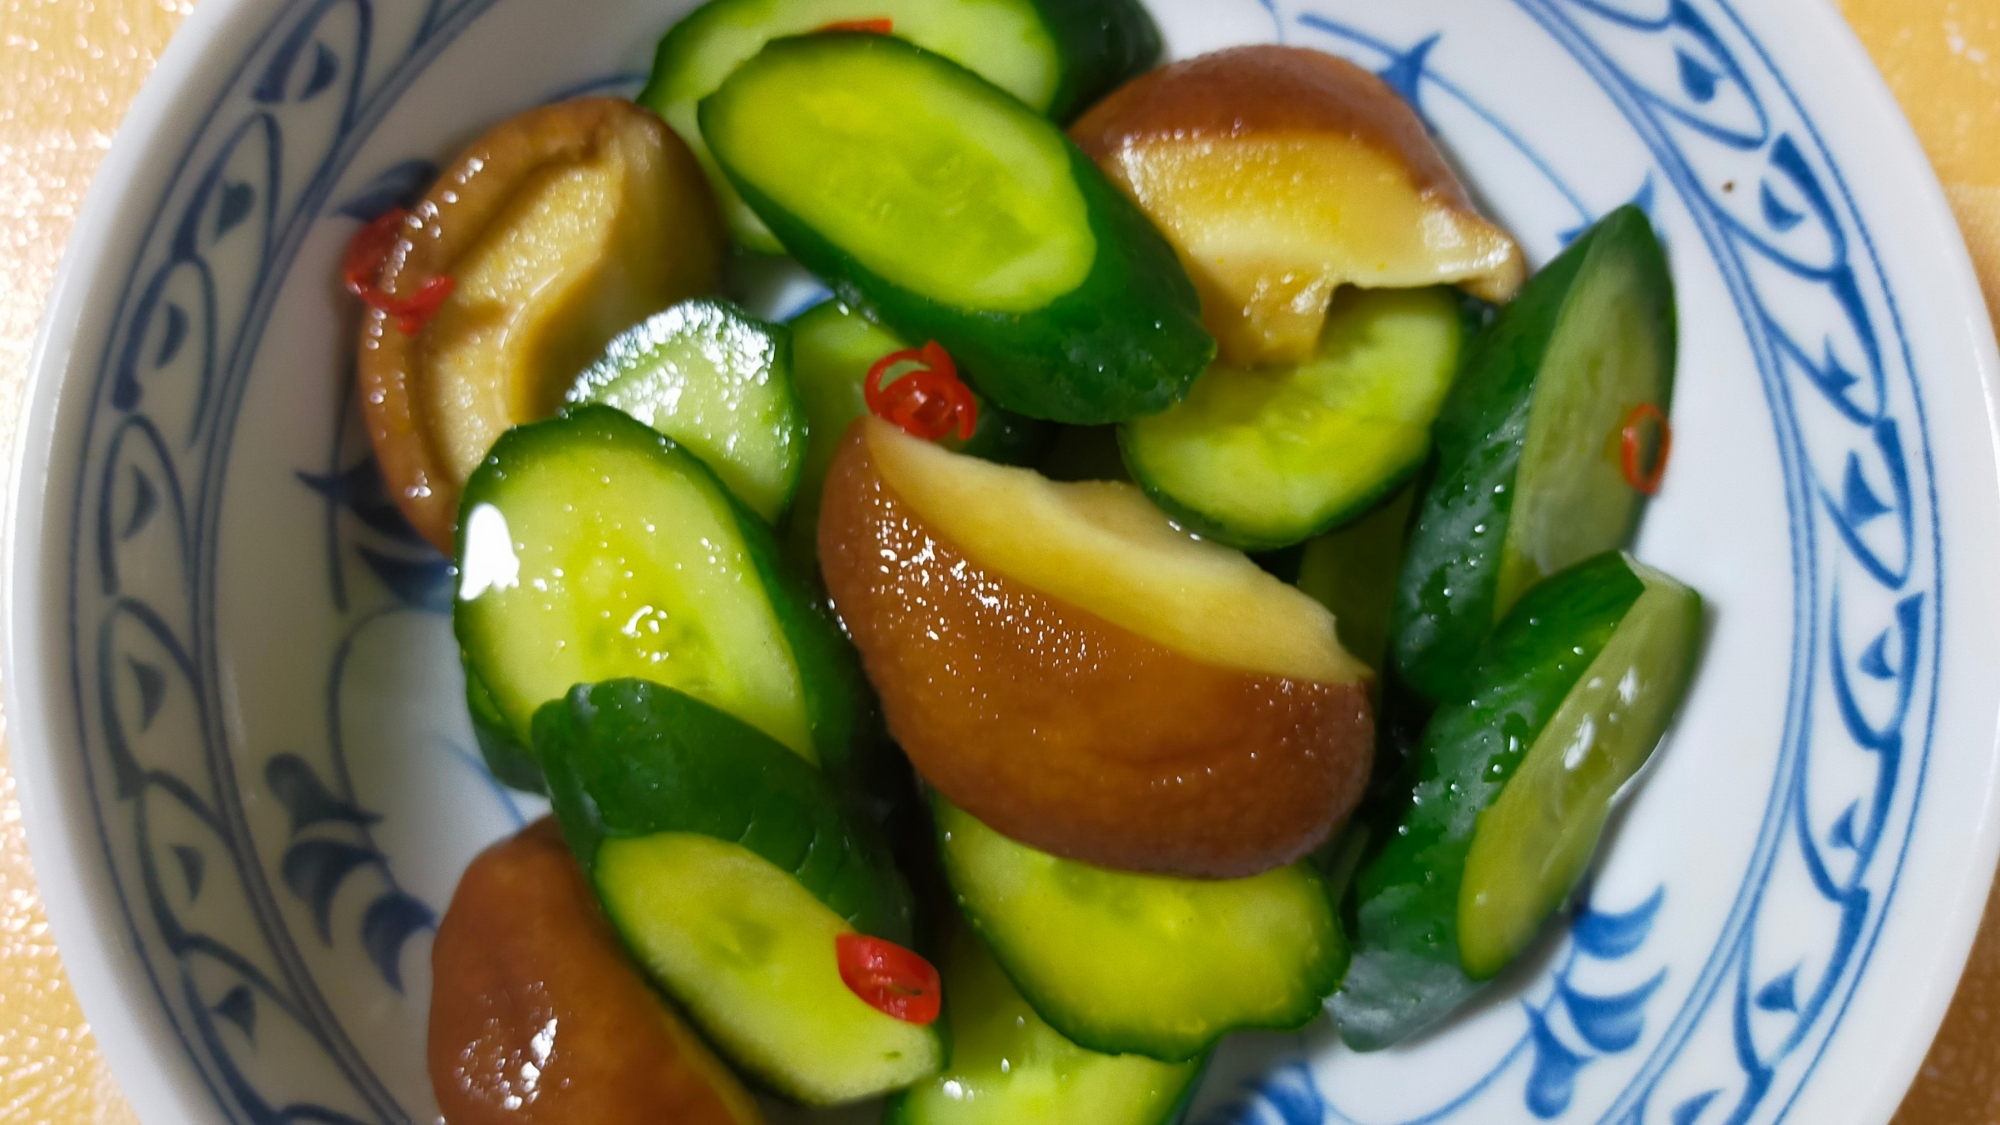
(235, 708)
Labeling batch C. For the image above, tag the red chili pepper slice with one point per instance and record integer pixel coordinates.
(361, 269)
(880, 26)
(890, 979)
(927, 400)
(1632, 446)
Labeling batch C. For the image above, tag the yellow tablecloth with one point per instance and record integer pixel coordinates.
(68, 69)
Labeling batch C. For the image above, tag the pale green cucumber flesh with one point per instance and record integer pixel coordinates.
(927, 177)
(1533, 843)
(749, 954)
(1009, 1067)
(592, 549)
(1124, 963)
(718, 381)
(1005, 41)
(1605, 359)
(1352, 572)
(1266, 458)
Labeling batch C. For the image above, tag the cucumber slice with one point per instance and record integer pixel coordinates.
(1057, 56)
(1352, 572)
(750, 956)
(592, 548)
(719, 382)
(1528, 474)
(729, 866)
(1265, 459)
(1009, 1067)
(507, 759)
(1121, 963)
(946, 206)
(1566, 701)
(1532, 845)
(630, 758)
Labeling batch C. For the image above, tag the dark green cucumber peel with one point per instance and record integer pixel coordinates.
(837, 700)
(629, 759)
(1125, 342)
(1269, 458)
(719, 382)
(1102, 43)
(507, 759)
(1408, 970)
(1449, 592)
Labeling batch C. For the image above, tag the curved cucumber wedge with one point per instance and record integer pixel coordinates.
(1057, 56)
(1009, 1067)
(749, 954)
(1264, 459)
(509, 760)
(1566, 701)
(629, 758)
(935, 199)
(729, 867)
(592, 548)
(1528, 474)
(718, 381)
(1143, 964)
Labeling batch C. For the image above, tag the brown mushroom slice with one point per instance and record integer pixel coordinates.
(1082, 676)
(1281, 174)
(539, 1018)
(560, 228)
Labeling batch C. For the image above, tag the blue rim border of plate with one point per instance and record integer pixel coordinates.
(282, 48)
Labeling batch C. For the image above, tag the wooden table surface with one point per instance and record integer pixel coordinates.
(69, 68)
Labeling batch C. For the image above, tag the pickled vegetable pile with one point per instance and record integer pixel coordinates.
(1175, 585)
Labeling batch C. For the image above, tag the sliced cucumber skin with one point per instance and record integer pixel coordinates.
(1125, 342)
(835, 693)
(752, 957)
(1102, 44)
(629, 759)
(1093, 46)
(741, 415)
(1008, 1066)
(1448, 593)
(1211, 463)
(1121, 963)
(1406, 973)
(507, 759)
(1533, 843)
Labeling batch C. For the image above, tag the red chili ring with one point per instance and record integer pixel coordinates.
(361, 269)
(880, 26)
(890, 979)
(928, 400)
(1630, 446)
